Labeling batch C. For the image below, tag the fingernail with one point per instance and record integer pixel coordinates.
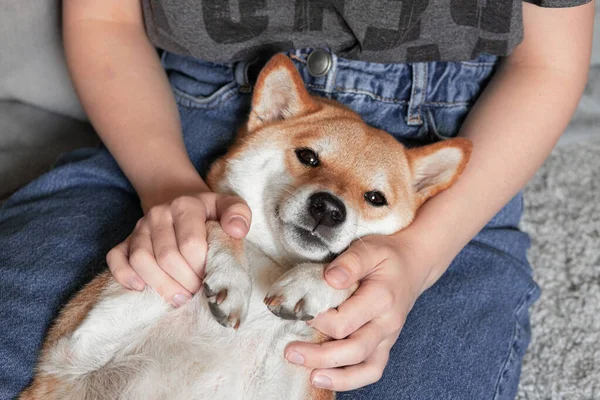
(337, 275)
(294, 357)
(136, 283)
(321, 381)
(180, 299)
(239, 222)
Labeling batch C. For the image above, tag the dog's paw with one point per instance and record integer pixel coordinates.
(227, 287)
(302, 293)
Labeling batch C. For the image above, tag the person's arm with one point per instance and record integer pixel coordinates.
(514, 126)
(125, 92)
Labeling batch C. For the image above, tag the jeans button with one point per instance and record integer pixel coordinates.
(318, 62)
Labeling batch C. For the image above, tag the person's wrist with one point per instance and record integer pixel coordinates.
(170, 189)
(424, 261)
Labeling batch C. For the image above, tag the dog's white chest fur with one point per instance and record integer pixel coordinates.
(160, 353)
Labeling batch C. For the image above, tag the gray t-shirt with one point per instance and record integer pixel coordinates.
(377, 30)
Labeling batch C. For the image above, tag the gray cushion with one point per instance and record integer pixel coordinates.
(31, 139)
(32, 65)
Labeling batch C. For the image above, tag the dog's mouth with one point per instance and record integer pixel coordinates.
(307, 243)
(303, 240)
(311, 238)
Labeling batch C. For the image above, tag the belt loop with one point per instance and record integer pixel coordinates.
(417, 96)
(331, 75)
(240, 73)
(246, 73)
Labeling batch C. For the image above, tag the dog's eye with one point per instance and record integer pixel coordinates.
(376, 198)
(308, 157)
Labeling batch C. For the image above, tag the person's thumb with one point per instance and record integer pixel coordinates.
(234, 215)
(350, 267)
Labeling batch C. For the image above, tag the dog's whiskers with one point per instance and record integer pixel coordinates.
(358, 238)
(365, 228)
(294, 196)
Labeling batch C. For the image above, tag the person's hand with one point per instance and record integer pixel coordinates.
(369, 322)
(167, 248)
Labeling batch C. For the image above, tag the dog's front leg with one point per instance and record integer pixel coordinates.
(227, 282)
(302, 293)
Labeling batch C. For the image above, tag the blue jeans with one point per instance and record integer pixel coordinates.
(465, 337)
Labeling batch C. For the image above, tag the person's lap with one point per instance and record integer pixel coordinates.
(465, 337)
(54, 235)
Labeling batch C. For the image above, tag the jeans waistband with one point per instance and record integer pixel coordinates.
(433, 84)
(414, 84)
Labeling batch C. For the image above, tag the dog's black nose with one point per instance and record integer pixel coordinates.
(326, 209)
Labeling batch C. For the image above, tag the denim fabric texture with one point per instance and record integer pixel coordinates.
(465, 337)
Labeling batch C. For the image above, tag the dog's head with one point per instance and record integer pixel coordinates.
(317, 177)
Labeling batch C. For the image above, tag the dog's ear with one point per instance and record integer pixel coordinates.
(279, 94)
(437, 166)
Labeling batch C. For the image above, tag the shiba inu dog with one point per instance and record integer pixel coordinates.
(316, 178)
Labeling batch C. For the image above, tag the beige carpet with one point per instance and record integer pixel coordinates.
(563, 218)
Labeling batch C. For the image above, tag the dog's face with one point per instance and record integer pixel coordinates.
(317, 177)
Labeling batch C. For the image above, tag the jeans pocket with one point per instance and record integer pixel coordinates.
(200, 84)
(191, 99)
(444, 121)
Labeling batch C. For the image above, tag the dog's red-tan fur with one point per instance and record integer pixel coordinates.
(45, 386)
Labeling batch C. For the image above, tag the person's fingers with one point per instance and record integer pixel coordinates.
(355, 376)
(118, 263)
(337, 353)
(189, 217)
(234, 215)
(371, 299)
(352, 265)
(141, 259)
(166, 250)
